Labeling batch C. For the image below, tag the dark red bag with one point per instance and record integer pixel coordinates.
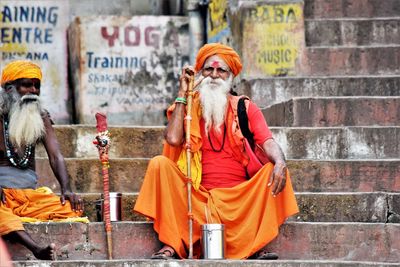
(257, 156)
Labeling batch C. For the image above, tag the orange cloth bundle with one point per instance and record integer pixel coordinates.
(21, 203)
(20, 69)
(225, 52)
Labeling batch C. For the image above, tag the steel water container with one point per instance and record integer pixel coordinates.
(115, 207)
(213, 241)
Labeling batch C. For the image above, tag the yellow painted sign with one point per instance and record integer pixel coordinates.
(273, 37)
(217, 23)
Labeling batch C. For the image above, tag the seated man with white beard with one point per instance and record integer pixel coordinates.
(23, 123)
(251, 208)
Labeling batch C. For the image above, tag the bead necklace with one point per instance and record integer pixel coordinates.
(223, 141)
(13, 157)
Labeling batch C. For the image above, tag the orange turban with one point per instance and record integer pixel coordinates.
(20, 69)
(229, 55)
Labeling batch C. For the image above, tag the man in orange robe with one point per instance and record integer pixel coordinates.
(23, 123)
(251, 208)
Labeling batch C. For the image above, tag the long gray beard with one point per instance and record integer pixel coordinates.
(26, 125)
(214, 99)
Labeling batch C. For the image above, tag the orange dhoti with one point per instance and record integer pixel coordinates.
(32, 205)
(250, 213)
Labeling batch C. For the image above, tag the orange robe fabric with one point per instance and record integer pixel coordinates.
(250, 213)
(33, 204)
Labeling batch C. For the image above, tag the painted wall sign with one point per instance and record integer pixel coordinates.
(218, 30)
(36, 31)
(127, 67)
(273, 38)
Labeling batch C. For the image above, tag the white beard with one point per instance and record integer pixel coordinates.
(214, 99)
(26, 125)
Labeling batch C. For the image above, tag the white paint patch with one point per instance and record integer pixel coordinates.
(280, 136)
(357, 145)
(85, 146)
(323, 146)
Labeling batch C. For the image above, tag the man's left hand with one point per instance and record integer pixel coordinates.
(278, 178)
(75, 200)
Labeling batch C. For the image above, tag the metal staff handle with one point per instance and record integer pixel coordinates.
(102, 143)
(188, 119)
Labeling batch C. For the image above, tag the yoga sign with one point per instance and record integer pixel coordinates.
(127, 67)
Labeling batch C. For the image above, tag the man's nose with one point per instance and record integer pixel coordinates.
(33, 90)
(214, 74)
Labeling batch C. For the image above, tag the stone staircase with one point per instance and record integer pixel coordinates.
(339, 125)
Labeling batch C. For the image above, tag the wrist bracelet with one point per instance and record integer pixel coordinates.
(180, 100)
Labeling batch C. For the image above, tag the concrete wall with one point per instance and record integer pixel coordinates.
(79, 8)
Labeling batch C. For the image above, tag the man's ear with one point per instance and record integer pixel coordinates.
(8, 86)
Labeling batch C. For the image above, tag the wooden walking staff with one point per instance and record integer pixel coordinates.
(188, 119)
(102, 143)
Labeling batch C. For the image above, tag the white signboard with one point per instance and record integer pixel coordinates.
(127, 67)
(36, 31)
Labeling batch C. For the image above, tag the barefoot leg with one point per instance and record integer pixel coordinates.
(41, 253)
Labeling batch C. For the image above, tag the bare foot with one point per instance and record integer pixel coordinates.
(45, 253)
(165, 253)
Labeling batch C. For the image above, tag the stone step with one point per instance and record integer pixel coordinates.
(296, 142)
(126, 175)
(269, 91)
(339, 142)
(352, 32)
(328, 61)
(201, 263)
(337, 207)
(126, 141)
(370, 242)
(345, 175)
(351, 9)
(335, 111)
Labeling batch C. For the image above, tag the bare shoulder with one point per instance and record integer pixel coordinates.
(46, 117)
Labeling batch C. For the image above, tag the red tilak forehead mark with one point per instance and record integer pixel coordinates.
(215, 64)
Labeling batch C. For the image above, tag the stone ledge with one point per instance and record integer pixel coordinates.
(350, 61)
(268, 91)
(297, 142)
(352, 9)
(335, 111)
(371, 242)
(352, 32)
(336, 207)
(126, 175)
(200, 263)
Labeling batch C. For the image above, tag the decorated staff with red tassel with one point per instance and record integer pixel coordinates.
(205, 154)
(102, 143)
